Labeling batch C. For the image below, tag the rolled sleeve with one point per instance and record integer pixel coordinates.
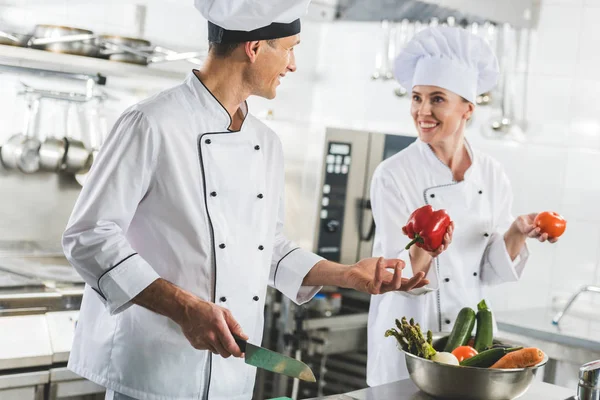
(125, 281)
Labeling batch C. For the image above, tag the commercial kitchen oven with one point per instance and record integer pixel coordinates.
(344, 230)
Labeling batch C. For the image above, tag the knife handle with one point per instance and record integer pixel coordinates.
(241, 343)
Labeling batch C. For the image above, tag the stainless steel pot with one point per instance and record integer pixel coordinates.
(64, 39)
(10, 150)
(466, 383)
(21, 151)
(78, 158)
(28, 155)
(97, 130)
(126, 49)
(52, 154)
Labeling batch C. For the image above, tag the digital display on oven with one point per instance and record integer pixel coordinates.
(339, 149)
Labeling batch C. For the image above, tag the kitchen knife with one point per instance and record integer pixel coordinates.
(275, 362)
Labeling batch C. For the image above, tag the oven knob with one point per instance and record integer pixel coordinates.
(332, 225)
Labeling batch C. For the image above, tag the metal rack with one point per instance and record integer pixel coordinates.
(21, 60)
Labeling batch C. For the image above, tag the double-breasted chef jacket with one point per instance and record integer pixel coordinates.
(174, 194)
(480, 206)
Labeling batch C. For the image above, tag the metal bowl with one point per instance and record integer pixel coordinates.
(443, 381)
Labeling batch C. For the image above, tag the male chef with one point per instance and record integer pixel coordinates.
(178, 230)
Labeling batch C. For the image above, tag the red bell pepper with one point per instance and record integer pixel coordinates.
(427, 228)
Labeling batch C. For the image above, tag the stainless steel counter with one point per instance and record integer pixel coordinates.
(406, 390)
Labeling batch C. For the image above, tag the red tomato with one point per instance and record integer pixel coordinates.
(464, 352)
(551, 223)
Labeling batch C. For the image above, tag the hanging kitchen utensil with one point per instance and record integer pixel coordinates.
(21, 151)
(405, 27)
(381, 53)
(390, 52)
(53, 148)
(8, 150)
(97, 131)
(29, 159)
(64, 39)
(52, 154)
(504, 122)
(78, 158)
(488, 33)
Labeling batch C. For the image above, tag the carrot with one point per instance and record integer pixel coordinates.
(523, 358)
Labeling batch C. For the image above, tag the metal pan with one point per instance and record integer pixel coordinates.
(126, 49)
(64, 39)
(14, 39)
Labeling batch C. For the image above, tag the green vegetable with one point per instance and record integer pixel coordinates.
(411, 338)
(461, 333)
(484, 338)
(487, 358)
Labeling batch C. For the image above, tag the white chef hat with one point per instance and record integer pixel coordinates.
(451, 58)
(235, 21)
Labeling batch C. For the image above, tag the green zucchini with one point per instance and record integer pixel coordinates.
(461, 333)
(487, 358)
(484, 338)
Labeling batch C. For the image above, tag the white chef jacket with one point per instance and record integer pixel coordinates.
(175, 194)
(480, 207)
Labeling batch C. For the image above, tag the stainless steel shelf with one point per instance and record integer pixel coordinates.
(131, 75)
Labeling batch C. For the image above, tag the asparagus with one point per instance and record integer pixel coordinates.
(411, 338)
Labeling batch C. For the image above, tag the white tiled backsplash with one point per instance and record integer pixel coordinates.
(555, 169)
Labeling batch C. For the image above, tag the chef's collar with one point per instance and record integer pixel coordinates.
(211, 104)
(438, 165)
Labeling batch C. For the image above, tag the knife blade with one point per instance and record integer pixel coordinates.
(274, 362)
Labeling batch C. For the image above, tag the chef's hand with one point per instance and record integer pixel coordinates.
(420, 258)
(371, 276)
(523, 224)
(210, 327)
(206, 325)
(445, 243)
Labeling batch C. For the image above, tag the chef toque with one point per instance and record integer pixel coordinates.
(451, 58)
(236, 21)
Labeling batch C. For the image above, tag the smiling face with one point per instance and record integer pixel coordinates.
(273, 60)
(440, 115)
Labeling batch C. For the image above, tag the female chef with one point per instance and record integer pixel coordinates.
(446, 68)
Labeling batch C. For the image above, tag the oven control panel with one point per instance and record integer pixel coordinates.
(333, 199)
